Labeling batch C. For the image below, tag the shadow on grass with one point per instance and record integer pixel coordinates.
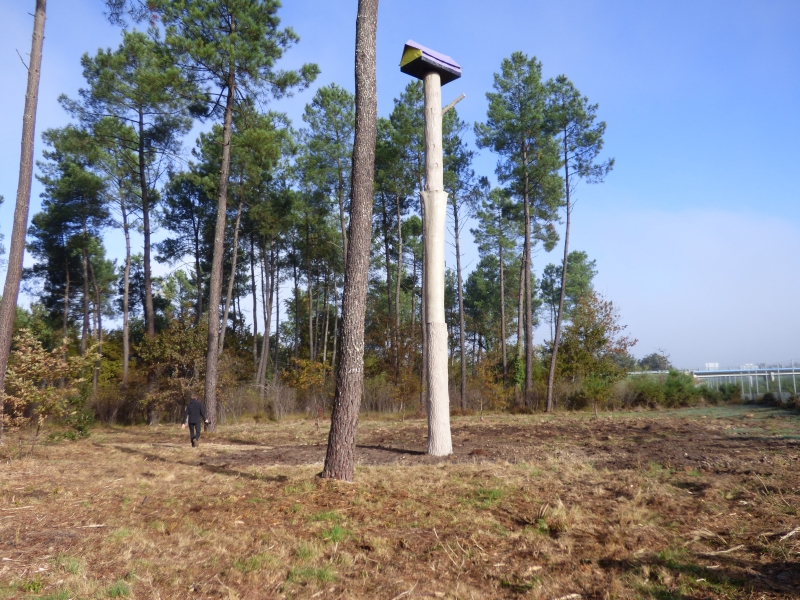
(388, 449)
(730, 575)
(218, 469)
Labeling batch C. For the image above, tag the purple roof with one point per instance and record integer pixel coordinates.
(443, 58)
(427, 61)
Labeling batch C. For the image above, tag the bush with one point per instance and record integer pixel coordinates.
(670, 391)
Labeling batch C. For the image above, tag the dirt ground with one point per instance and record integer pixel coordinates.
(697, 503)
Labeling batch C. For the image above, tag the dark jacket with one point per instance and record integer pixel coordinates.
(194, 412)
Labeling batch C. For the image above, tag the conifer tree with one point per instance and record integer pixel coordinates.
(581, 140)
(519, 130)
(464, 191)
(140, 86)
(340, 457)
(231, 47)
(8, 304)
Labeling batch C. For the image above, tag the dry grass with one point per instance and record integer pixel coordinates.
(549, 507)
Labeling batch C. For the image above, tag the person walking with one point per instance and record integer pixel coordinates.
(195, 416)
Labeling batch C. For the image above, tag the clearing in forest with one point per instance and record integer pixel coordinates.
(696, 503)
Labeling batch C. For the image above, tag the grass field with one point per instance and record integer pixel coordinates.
(698, 503)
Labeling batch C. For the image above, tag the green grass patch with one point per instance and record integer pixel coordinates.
(302, 487)
(253, 563)
(69, 564)
(487, 497)
(119, 590)
(306, 574)
(305, 552)
(34, 585)
(337, 533)
(330, 516)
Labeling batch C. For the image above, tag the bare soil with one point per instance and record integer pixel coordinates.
(699, 503)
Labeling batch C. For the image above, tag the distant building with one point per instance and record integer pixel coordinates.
(712, 366)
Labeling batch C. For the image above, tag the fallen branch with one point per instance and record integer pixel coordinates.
(739, 547)
(790, 534)
(406, 593)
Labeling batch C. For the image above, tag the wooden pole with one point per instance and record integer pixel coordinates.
(435, 200)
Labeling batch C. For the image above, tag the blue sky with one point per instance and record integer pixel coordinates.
(696, 230)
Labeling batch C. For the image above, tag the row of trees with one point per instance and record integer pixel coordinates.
(259, 222)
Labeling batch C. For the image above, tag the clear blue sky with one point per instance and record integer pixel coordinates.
(696, 230)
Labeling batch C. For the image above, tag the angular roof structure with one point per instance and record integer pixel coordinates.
(418, 60)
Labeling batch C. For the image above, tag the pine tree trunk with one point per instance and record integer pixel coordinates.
(8, 304)
(126, 284)
(387, 258)
(528, 290)
(335, 326)
(341, 206)
(503, 316)
(340, 457)
(462, 341)
(85, 327)
(66, 300)
(198, 276)
(551, 376)
(397, 283)
(325, 333)
(98, 331)
(149, 310)
(215, 283)
(255, 301)
(231, 279)
(262, 365)
(276, 280)
(520, 321)
(296, 312)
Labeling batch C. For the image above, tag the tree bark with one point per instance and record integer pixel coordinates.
(231, 279)
(435, 200)
(340, 457)
(8, 305)
(215, 283)
(559, 316)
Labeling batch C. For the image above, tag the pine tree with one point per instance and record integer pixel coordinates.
(231, 47)
(464, 191)
(518, 128)
(8, 304)
(140, 86)
(495, 236)
(581, 140)
(340, 457)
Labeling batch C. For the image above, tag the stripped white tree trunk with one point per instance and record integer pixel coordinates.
(434, 199)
